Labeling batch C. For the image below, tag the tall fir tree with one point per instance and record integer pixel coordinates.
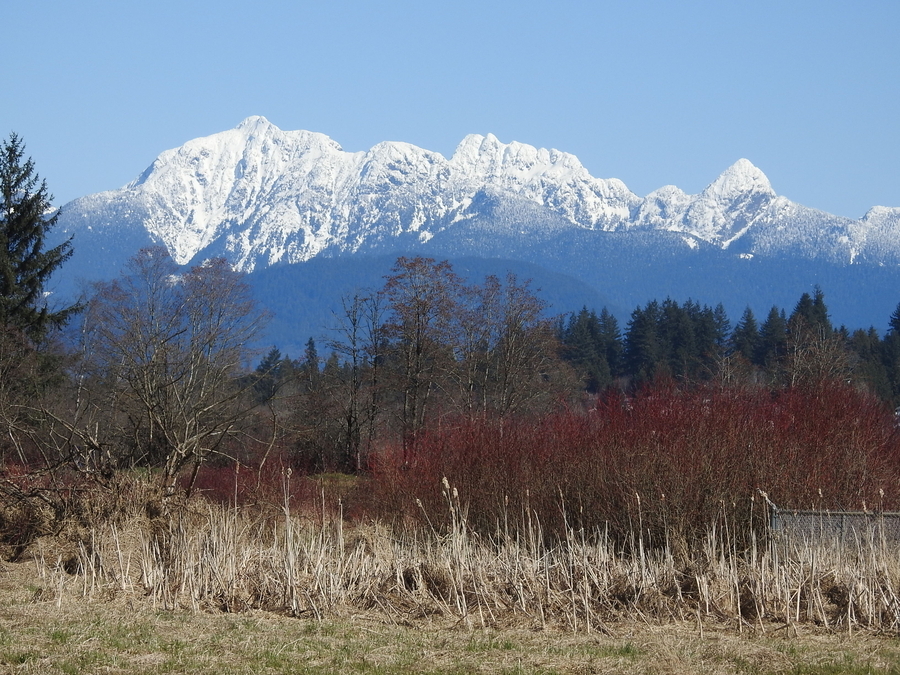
(310, 366)
(677, 338)
(811, 314)
(745, 339)
(894, 321)
(722, 327)
(868, 363)
(268, 375)
(610, 341)
(583, 348)
(890, 354)
(643, 351)
(25, 265)
(772, 340)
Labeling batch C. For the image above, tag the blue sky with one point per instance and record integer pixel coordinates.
(650, 92)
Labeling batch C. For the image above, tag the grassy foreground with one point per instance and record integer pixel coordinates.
(46, 626)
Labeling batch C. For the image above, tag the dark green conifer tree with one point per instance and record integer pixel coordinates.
(643, 351)
(868, 364)
(610, 341)
(811, 314)
(722, 326)
(745, 339)
(583, 348)
(772, 340)
(268, 375)
(894, 321)
(677, 338)
(311, 371)
(26, 217)
(890, 354)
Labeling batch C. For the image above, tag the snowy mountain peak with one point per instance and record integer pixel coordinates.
(259, 195)
(881, 212)
(255, 122)
(256, 127)
(488, 156)
(742, 177)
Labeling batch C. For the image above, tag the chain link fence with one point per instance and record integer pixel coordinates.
(843, 527)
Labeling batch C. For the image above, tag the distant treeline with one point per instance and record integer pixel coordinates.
(427, 348)
(693, 343)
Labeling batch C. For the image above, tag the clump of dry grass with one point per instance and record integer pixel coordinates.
(203, 556)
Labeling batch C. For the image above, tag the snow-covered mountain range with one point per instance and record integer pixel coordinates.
(259, 196)
(264, 197)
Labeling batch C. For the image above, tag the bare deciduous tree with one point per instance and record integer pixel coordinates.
(526, 347)
(422, 298)
(164, 357)
(504, 346)
(358, 344)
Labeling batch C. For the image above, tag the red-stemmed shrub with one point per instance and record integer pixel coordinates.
(667, 463)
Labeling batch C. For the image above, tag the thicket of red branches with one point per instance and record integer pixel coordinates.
(666, 462)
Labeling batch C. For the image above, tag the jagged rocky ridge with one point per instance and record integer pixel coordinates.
(261, 196)
(266, 199)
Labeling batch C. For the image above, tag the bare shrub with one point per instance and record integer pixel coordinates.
(668, 463)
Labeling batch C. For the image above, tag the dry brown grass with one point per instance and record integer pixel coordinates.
(200, 556)
(208, 588)
(48, 626)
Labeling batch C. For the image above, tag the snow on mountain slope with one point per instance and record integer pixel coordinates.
(260, 196)
(788, 229)
(553, 179)
(254, 185)
(876, 237)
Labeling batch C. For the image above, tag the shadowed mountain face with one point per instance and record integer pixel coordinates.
(264, 197)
